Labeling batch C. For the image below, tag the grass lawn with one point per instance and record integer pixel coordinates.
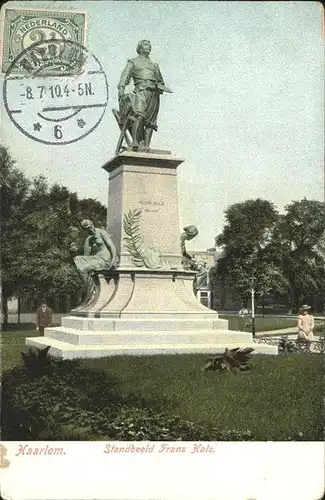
(12, 344)
(261, 324)
(279, 398)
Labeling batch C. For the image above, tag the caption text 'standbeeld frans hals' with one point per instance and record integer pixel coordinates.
(163, 448)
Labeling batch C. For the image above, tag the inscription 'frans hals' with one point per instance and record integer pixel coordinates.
(150, 206)
(151, 203)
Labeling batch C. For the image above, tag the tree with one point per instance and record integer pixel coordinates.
(93, 210)
(13, 194)
(298, 247)
(38, 223)
(48, 221)
(52, 219)
(245, 242)
(248, 227)
(285, 253)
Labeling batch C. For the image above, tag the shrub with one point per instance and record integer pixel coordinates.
(71, 403)
(233, 360)
(36, 361)
(287, 346)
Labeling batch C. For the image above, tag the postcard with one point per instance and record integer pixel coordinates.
(162, 250)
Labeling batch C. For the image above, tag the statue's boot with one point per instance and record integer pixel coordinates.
(147, 138)
(135, 134)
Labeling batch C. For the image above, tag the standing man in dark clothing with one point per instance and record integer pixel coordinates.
(144, 102)
(43, 317)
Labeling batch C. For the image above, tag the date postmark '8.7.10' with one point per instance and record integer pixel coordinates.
(55, 91)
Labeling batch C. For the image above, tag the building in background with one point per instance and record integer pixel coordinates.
(216, 293)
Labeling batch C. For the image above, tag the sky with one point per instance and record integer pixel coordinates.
(246, 112)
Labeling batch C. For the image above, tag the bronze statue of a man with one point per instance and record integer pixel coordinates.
(139, 111)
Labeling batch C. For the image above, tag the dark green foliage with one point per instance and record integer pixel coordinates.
(13, 194)
(71, 403)
(232, 360)
(245, 241)
(285, 252)
(36, 361)
(281, 398)
(298, 247)
(286, 345)
(248, 226)
(38, 224)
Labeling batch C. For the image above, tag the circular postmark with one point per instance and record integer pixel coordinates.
(55, 92)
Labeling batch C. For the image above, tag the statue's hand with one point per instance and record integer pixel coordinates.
(162, 88)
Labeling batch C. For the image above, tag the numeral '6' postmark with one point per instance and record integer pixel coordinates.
(63, 107)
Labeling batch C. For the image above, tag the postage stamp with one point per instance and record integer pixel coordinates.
(22, 28)
(62, 96)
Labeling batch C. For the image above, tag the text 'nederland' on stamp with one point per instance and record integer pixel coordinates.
(24, 27)
(61, 97)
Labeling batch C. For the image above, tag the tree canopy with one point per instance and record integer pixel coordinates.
(284, 252)
(14, 191)
(298, 244)
(38, 223)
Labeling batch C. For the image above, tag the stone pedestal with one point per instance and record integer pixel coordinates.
(147, 305)
(147, 182)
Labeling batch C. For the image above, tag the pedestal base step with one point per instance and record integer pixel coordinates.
(134, 337)
(65, 350)
(157, 324)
